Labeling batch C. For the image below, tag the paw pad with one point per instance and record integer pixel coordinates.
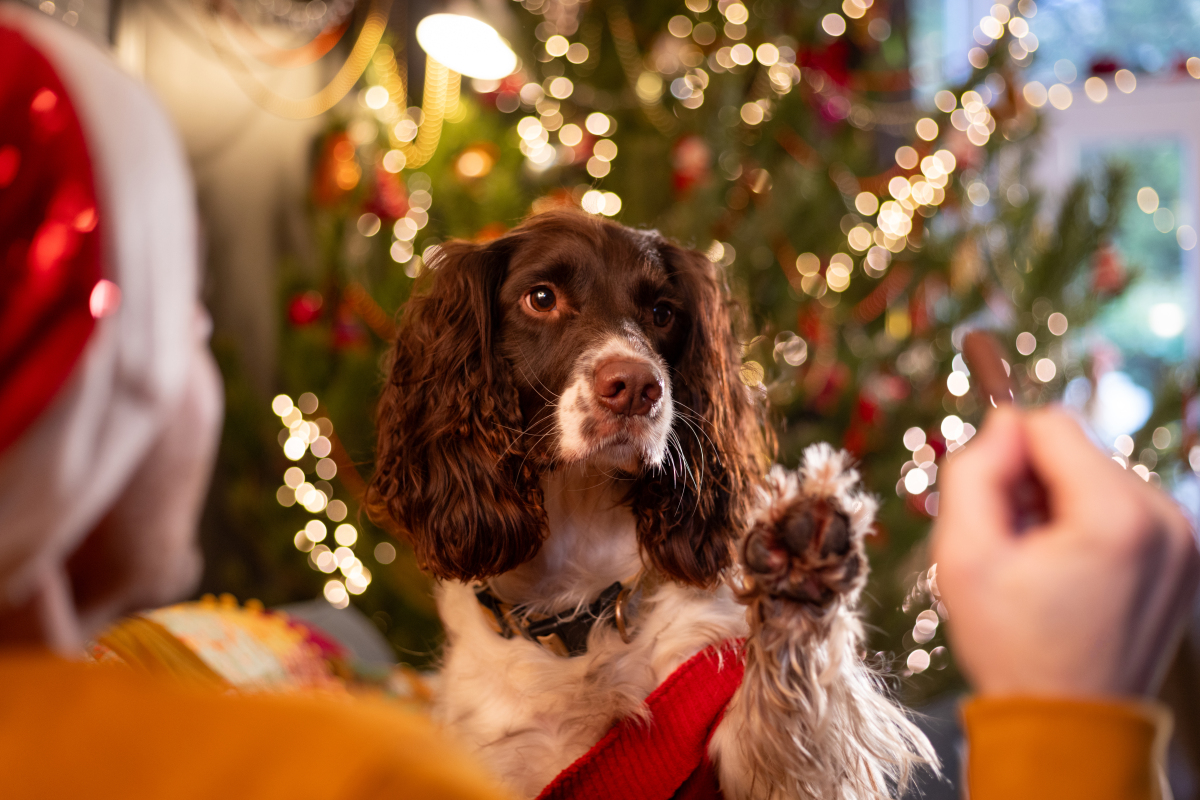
(806, 552)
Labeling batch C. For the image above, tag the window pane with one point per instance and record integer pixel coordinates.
(1139, 35)
(1143, 322)
(1144, 36)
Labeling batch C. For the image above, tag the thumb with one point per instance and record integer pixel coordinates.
(976, 516)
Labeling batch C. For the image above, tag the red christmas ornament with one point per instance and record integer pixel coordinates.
(305, 308)
(812, 326)
(1109, 275)
(510, 86)
(828, 395)
(691, 160)
(389, 199)
(337, 172)
(832, 60)
(866, 410)
(348, 332)
(934, 439)
(916, 504)
(857, 439)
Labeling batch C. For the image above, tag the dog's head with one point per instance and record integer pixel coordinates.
(571, 339)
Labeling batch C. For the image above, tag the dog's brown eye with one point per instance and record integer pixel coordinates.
(662, 314)
(542, 298)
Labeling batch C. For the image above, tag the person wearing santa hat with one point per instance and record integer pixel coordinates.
(110, 407)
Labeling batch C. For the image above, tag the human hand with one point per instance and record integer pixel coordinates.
(1082, 604)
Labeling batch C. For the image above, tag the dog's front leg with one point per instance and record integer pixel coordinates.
(810, 719)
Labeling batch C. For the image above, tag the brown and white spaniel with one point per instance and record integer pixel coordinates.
(565, 441)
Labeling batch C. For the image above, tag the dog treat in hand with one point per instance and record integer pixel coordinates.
(981, 351)
(983, 356)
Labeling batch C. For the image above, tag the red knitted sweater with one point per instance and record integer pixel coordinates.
(665, 758)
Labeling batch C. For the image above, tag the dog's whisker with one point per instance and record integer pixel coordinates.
(696, 423)
(700, 445)
(533, 374)
(610, 477)
(537, 438)
(685, 471)
(696, 432)
(676, 467)
(538, 379)
(674, 448)
(682, 406)
(527, 432)
(682, 456)
(529, 451)
(548, 401)
(531, 378)
(674, 440)
(688, 412)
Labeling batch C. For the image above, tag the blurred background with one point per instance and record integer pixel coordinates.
(876, 177)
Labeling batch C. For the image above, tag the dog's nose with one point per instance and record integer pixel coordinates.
(628, 388)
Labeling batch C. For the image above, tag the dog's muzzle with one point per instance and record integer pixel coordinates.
(617, 408)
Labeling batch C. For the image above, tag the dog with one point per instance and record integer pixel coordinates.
(564, 424)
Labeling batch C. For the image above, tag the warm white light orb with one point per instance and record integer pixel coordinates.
(958, 384)
(466, 45)
(918, 660)
(916, 481)
(1167, 320)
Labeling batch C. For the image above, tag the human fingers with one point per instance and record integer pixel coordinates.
(975, 512)
(1093, 495)
(1074, 472)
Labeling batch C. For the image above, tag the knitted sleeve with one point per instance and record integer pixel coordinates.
(1036, 748)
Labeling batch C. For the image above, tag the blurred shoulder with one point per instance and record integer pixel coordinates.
(108, 731)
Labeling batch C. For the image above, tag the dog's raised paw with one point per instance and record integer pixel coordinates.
(805, 551)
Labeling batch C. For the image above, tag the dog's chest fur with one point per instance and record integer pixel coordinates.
(530, 713)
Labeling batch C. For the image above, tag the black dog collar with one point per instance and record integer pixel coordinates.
(564, 634)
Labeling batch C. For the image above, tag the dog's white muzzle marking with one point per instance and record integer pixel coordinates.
(589, 431)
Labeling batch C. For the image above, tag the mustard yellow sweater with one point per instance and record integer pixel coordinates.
(70, 729)
(1033, 748)
(75, 730)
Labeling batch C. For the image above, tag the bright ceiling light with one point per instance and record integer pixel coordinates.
(467, 46)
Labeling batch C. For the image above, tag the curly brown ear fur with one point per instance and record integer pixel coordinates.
(451, 471)
(687, 523)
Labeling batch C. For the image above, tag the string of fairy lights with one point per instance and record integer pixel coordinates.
(309, 443)
(969, 113)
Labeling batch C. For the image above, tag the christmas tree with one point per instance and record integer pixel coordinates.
(862, 231)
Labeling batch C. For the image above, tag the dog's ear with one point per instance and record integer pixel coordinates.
(450, 467)
(689, 518)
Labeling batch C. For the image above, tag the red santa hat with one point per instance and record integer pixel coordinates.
(100, 330)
